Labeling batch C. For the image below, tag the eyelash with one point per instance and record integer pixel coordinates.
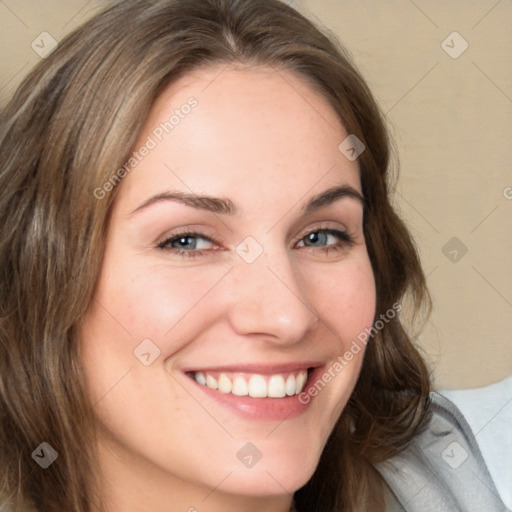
(345, 241)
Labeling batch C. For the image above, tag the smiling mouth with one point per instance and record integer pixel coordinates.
(254, 385)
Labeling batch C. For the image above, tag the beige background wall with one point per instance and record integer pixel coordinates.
(451, 116)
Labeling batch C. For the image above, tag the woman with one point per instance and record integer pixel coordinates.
(202, 279)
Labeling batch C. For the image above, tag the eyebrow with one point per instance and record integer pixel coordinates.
(225, 206)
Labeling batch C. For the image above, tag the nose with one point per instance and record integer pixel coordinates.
(267, 300)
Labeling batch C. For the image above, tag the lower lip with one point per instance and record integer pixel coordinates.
(265, 409)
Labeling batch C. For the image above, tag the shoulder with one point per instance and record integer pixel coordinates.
(442, 470)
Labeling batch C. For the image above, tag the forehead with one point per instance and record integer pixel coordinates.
(251, 130)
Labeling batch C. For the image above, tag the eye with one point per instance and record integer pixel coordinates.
(191, 244)
(188, 244)
(320, 238)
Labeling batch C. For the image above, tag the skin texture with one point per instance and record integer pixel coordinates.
(268, 142)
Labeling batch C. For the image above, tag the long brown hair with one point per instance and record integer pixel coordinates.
(68, 128)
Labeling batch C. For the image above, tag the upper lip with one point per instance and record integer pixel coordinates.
(262, 369)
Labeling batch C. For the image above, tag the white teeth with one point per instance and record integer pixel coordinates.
(290, 386)
(224, 384)
(300, 381)
(258, 386)
(211, 382)
(240, 387)
(276, 387)
(200, 378)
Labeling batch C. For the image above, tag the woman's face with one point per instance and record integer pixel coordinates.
(246, 292)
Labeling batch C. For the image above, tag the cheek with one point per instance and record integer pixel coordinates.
(158, 301)
(345, 298)
(155, 301)
(172, 305)
(345, 301)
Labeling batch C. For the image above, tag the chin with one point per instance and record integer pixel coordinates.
(277, 472)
